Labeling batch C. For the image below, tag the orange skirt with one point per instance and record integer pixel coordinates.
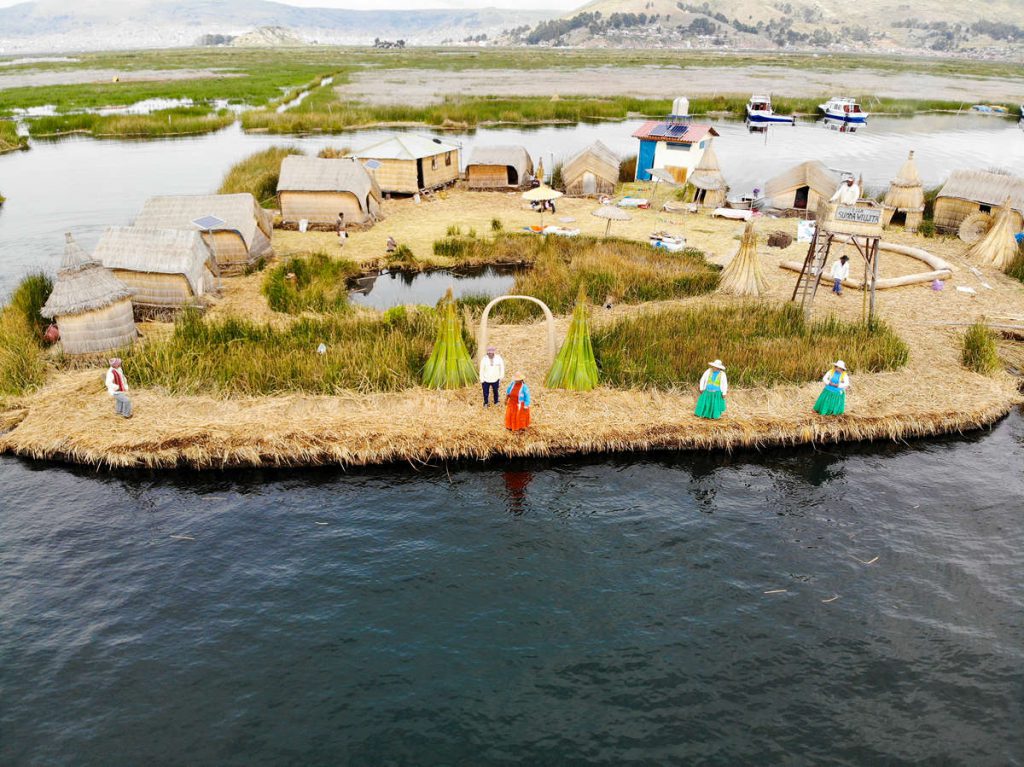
(516, 416)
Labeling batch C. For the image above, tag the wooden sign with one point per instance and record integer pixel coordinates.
(863, 221)
(855, 215)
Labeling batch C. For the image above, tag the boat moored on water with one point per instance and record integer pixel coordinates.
(841, 126)
(759, 110)
(840, 108)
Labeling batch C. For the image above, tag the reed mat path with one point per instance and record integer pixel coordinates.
(71, 418)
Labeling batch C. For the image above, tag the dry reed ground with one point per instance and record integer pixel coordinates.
(72, 419)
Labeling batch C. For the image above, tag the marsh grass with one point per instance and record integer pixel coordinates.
(320, 284)
(1016, 267)
(10, 141)
(238, 357)
(22, 362)
(257, 174)
(179, 121)
(979, 352)
(761, 344)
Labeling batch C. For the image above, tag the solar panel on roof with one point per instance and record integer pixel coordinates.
(207, 223)
(678, 130)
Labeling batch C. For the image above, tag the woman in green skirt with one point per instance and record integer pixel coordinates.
(832, 400)
(713, 388)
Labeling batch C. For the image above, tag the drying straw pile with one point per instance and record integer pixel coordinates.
(449, 365)
(575, 368)
(997, 248)
(743, 276)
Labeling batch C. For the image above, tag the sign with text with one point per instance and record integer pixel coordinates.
(859, 215)
(857, 220)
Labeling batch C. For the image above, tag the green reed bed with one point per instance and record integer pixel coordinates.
(257, 174)
(235, 356)
(761, 345)
(1016, 267)
(315, 283)
(179, 121)
(979, 352)
(10, 141)
(22, 362)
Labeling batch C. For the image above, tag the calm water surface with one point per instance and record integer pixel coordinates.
(573, 612)
(400, 288)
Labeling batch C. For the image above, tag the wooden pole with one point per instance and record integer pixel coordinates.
(864, 295)
(874, 277)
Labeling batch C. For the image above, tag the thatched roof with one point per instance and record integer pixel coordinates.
(316, 174)
(708, 174)
(405, 146)
(159, 251)
(811, 173)
(597, 158)
(82, 285)
(905, 192)
(240, 213)
(513, 155)
(985, 187)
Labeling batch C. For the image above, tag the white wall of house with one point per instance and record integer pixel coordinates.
(668, 155)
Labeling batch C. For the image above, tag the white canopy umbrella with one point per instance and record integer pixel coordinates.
(541, 193)
(611, 213)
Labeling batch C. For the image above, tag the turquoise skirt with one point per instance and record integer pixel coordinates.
(710, 404)
(831, 403)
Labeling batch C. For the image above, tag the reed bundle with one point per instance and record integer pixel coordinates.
(998, 247)
(574, 367)
(979, 352)
(449, 365)
(744, 276)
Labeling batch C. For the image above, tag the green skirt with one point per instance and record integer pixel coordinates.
(831, 403)
(710, 404)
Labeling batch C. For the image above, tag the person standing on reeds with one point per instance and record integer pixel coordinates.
(840, 271)
(517, 404)
(713, 387)
(832, 400)
(492, 370)
(117, 387)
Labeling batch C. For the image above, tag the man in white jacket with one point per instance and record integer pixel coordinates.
(848, 192)
(840, 271)
(117, 387)
(492, 370)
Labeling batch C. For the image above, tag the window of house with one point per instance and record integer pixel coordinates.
(433, 162)
(985, 208)
(448, 158)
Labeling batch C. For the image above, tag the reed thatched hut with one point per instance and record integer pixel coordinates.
(498, 167)
(317, 189)
(904, 201)
(92, 308)
(709, 187)
(242, 238)
(409, 163)
(972, 191)
(802, 187)
(592, 172)
(164, 268)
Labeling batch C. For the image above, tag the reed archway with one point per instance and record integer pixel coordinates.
(549, 318)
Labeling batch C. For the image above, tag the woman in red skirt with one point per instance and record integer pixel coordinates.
(517, 404)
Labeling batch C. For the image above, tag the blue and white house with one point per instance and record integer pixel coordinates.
(675, 144)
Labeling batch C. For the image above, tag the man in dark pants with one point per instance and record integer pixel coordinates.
(492, 370)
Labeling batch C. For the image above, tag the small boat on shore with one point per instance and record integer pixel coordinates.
(990, 109)
(840, 108)
(759, 110)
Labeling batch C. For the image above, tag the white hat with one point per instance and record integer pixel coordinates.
(840, 364)
(716, 364)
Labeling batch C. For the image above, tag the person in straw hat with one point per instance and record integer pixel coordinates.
(517, 404)
(117, 387)
(713, 387)
(492, 370)
(832, 400)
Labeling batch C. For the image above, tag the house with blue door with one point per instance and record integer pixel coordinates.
(674, 144)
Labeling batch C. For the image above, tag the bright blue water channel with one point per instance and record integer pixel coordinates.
(606, 611)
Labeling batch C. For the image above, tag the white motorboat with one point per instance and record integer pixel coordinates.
(759, 110)
(848, 110)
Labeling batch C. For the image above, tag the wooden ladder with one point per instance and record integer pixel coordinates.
(813, 269)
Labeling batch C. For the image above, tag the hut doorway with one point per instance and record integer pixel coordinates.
(513, 176)
(548, 317)
(589, 183)
(899, 218)
(801, 197)
(419, 174)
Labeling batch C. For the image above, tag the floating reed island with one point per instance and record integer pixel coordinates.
(278, 367)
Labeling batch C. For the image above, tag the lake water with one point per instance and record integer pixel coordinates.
(604, 611)
(400, 288)
(83, 185)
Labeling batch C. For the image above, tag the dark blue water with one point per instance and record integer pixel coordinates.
(604, 611)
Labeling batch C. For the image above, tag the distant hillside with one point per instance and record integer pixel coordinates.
(985, 28)
(62, 25)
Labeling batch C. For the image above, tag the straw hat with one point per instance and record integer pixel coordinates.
(839, 364)
(518, 376)
(716, 364)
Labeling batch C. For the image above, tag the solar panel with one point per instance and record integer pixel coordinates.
(207, 223)
(660, 131)
(678, 130)
(372, 164)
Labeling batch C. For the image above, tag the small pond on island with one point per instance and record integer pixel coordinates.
(397, 288)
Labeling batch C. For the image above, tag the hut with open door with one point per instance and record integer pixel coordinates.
(164, 268)
(317, 189)
(801, 188)
(592, 172)
(904, 201)
(709, 187)
(92, 308)
(240, 239)
(408, 163)
(967, 192)
(499, 167)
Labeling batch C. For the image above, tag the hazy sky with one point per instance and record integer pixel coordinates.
(417, 4)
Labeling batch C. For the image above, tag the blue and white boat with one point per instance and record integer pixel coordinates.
(848, 110)
(759, 110)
